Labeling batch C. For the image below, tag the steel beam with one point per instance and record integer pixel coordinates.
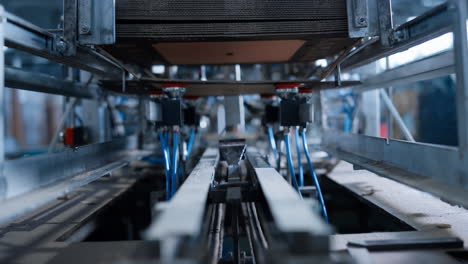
(22, 35)
(2, 100)
(431, 67)
(38, 82)
(460, 43)
(221, 88)
(431, 24)
(435, 66)
(384, 9)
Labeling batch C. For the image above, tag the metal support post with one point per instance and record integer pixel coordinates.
(70, 27)
(461, 68)
(2, 103)
(390, 95)
(384, 8)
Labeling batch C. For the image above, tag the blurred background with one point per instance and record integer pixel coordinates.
(427, 108)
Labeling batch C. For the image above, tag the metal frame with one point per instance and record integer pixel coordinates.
(30, 182)
(460, 46)
(2, 99)
(96, 22)
(22, 35)
(38, 82)
(431, 67)
(33, 181)
(432, 168)
(429, 25)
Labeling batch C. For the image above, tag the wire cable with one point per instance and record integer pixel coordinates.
(190, 143)
(167, 164)
(299, 159)
(314, 176)
(271, 137)
(175, 157)
(290, 164)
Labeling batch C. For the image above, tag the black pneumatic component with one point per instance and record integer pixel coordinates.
(289, 113)
(191, 117)
(272, 114)
(295, 112)
(305, 113)
(172, 112)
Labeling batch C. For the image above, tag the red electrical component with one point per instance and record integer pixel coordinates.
(305, 90)
(75, 136)
(174, 84)
(281, 86)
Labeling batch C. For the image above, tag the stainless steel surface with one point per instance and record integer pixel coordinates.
(431, 67)
(22, 35)
(361, 11)
(70, 27)
(346, 54)
(446, 165)
(290, 213)
(2, 99)
(38, 82)
(357, 10)
(29, 173)
(219, 87)
(34, 181)
(443, 166)
(384, 9)
(183, 215)
(427, 26)
(401, 124)
(461, 69)
(97, 22)
(85, 18)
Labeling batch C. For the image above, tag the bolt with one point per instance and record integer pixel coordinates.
(85, 29)
(61, 46)
(362, 21)
(399, 35)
